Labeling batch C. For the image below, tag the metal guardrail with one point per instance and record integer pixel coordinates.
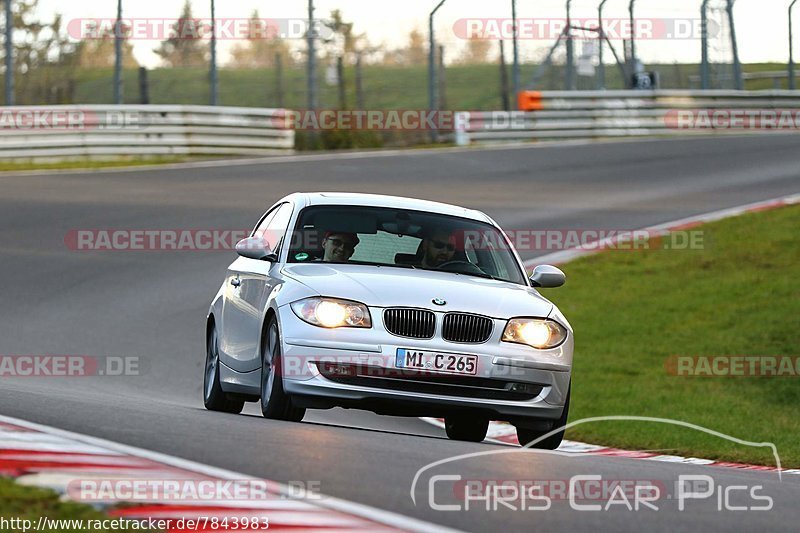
(610, 114)
(106, 131)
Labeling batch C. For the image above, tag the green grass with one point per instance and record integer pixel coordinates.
(631, 310)
(88, 163)
(18, 501)
(467, 87)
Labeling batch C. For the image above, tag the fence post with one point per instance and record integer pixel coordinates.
(117, 55)
(442, 81)
(569, 80)
(342, 86)
(515, 42)
(737, 65)
(792, 81)
(704, 74)
(212, 76)
(312, 59)
(432, 86)
(503, 79)
(359, 84)
(278, 81)
(9, 54)
(144, 92)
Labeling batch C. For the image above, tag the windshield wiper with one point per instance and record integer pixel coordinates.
(368, 263)
(479, 275)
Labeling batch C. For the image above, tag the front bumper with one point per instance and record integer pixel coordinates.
(512, 382)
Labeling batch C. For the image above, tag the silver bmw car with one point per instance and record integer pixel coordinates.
(394, 305)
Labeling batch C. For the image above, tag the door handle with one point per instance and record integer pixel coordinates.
(236, 282)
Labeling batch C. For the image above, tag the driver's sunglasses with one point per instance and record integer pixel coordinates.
(439, 245)
(339, 243)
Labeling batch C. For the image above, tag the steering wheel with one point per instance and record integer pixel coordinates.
(471, 269)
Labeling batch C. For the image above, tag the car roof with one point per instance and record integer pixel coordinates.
(380, 200)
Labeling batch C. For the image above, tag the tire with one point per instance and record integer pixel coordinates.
(526, 436)
(214, 398)
(466, 428)
(275, 403)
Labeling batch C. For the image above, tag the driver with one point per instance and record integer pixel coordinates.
(339, 247)
(438, 247)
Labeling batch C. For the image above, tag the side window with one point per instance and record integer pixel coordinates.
(275, 228)
(262, 226)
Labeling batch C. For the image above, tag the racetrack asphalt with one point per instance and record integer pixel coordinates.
(152, 305)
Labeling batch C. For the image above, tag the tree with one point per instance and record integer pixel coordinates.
(475, 52)
(99, 50)
(44, 58)
(340, 40)
(184, 47)
(261, 47)
(414, 53)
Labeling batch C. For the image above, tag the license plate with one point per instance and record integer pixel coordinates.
(449, 363)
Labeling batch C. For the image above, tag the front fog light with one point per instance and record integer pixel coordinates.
(539, 333)
(332, 313)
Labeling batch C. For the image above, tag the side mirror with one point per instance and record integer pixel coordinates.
(255, 248)
(547, 277)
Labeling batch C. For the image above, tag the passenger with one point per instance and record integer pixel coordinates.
(339, 247)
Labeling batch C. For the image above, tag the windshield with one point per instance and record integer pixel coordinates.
(405, 239)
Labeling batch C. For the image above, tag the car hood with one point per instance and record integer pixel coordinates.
(391, 286)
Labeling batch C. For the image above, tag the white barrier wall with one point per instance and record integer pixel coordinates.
(107, 131)
(609, 114)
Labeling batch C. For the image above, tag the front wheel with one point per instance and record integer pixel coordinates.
(214, 398)
(527, 436)
(275, 403)
(466, 428)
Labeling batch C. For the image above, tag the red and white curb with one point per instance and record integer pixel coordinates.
(504, 433)
(47, 457)
(660, 230)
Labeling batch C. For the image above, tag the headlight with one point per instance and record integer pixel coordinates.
(540, 333)
(332, 313)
